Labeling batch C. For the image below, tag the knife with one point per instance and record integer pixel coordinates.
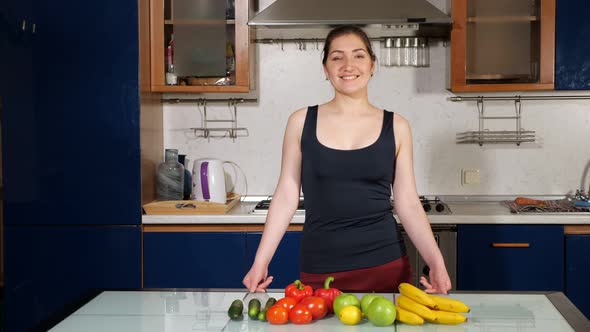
(261, 296)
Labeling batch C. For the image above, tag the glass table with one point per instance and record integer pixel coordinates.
(206, 310)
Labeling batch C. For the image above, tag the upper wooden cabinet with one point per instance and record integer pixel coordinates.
(199, 46)
(502, 45)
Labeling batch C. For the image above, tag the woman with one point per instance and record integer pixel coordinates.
(348, 156)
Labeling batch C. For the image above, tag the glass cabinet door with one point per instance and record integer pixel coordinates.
(200, 46)
(503, 45)
(503, 41)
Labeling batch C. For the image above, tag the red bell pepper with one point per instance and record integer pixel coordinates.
(328, 294)
(298, 291)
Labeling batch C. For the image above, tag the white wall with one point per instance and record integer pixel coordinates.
(292, 79)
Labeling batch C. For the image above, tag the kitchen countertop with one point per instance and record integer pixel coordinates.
(206, 310)
(465, 210)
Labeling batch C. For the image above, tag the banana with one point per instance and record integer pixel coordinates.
(446, 317)
(448, 304)
(416, 294)
(407, 303)
(408, 317)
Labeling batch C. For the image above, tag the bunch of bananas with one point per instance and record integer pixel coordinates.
(414, 306)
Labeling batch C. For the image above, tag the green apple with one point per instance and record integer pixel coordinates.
(343, 300)
(366, 300)
(381, 312)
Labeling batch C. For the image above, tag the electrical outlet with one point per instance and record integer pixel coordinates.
(470, 176)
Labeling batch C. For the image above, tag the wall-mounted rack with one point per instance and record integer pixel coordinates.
(517, 97)
(519, 135)
(233, 131)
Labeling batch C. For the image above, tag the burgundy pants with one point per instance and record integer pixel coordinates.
(379, 279)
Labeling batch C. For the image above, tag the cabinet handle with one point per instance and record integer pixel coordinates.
(510, 245)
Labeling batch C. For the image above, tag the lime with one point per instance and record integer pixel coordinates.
(344, 300)
(366, 300)
(381, 312)
(350, 315)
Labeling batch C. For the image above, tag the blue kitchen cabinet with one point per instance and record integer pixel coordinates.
(70, 122)
(572, 50)
(577, 262)
(73, 140)
(48, 268)
(194, 259)
(496, 257)
(284, 266)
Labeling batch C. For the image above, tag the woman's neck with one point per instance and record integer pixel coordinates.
(351, 103)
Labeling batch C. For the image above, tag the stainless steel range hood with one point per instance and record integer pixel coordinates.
(380, 17)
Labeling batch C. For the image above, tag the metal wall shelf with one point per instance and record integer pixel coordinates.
(233, 131)
(519, 135)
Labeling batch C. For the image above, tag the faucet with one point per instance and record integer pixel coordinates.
(580, 193)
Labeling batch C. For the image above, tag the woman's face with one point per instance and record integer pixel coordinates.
(349, 65)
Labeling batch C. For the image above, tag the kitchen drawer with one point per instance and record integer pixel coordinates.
(194, 259)
(284, 266)
(510, 257)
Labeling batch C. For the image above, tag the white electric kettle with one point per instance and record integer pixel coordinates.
(209, 181)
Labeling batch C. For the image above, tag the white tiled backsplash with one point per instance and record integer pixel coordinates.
(290, 79)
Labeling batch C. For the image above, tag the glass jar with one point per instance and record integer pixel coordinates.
(386, 52)
(414, 52)
(405, 52)
(423, 53)
(396, 51)
(170, 178)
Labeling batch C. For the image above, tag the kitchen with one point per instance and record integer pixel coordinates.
(553, 165)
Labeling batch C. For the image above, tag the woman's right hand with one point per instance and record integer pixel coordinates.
(256, 279)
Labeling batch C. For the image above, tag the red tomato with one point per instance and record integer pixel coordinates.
(316, 305)
(277, 315)
(287, 302)
(300, 314)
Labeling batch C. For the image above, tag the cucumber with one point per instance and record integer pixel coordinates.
(254, 308)
(269, 303)
(235, 310)
(262, 315)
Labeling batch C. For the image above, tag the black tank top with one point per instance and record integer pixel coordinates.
(348, 215)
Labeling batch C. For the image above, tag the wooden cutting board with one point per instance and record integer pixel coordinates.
(189, 207)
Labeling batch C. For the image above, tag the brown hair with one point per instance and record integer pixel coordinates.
(347, 30)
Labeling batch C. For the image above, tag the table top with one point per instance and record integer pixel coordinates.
(206, 310)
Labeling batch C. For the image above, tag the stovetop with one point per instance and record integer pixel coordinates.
(432, 205)
(263, 206)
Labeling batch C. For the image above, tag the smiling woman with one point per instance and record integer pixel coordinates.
(349, 62)
(345, 154)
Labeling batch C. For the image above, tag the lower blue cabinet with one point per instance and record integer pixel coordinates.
(577, 262)
(49, 269)
(194, 259)
(284, 266)
(510, 257)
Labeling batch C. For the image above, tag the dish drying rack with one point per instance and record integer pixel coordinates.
(232, 131)
(551, 206)
(484, 136)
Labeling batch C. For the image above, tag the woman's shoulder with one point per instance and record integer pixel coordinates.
(400, 121)
(401, 126)
(397, 118)
(298, 117)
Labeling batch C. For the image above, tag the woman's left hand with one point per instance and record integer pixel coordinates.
(439, 281)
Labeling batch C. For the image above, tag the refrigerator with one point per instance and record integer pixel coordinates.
(71, 155)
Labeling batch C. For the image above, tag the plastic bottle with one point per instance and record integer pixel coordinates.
(170, 178)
